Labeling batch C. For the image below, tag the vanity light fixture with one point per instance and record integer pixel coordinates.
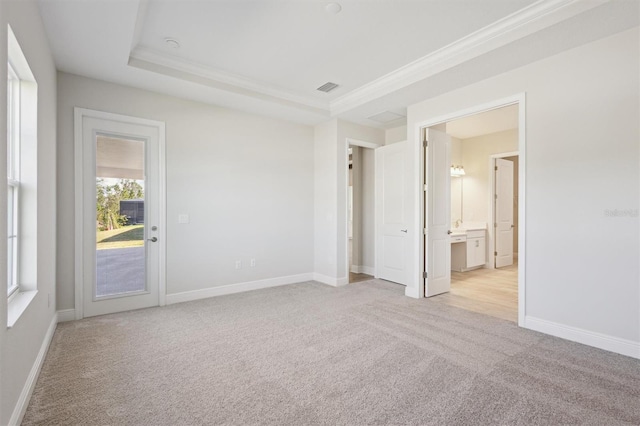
(457, 171)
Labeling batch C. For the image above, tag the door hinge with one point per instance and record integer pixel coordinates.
(425, 143)
(496, 196)
(496, 168)
(425, 187)
(424, 275)
(495, 225)
(495, 253)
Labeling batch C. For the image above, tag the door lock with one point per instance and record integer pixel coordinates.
(152, 239)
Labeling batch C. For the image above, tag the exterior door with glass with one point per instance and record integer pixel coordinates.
(122, 227)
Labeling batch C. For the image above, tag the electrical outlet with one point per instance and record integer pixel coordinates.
(253, 263)
(238, 264)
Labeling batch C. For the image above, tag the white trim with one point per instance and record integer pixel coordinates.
(30, 384)
(415, 287)
(166, 64)
(162, 214)
(524, 22)
(79, 114)
(363, 144)
(333, 282)
(529, 20)
(222, 290)
(17, 304)
(66, 315)
(361, 269)
(598, 340)
(414, 292)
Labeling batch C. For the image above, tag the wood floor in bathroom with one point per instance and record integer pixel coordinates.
(492, 292)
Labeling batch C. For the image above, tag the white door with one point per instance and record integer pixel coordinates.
(438, 213)
(121, 195)
(504, 213)
(391, 228)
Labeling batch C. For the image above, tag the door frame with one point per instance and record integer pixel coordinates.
(491, 231)
(363, 144)
(517, 99)
(79, 257)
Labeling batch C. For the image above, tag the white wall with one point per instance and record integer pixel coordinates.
(325, 199)
(582, 133)
(245, 181)
(475, 159)
(21, 345)
(396, 134)
(456, 183)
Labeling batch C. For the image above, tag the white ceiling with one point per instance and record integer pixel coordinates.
(269, 56)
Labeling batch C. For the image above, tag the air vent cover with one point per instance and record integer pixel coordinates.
(327, 87)
(386, 117)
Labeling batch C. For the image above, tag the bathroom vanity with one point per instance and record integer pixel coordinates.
(468, 249)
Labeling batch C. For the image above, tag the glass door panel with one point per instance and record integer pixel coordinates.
(120, 217)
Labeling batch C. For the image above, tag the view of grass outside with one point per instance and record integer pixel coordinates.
(113, 228)
(126, 236)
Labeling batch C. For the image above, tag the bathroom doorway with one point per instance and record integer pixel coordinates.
(479, 222)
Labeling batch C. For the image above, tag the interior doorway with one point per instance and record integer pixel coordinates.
(483, 224)
(360, 214)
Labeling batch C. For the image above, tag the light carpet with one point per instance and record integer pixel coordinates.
(310, 354)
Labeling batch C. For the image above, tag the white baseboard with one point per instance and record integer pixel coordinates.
(66, 315)
(334, 282)
(205, 293)
(361, 269)
(30, 384)
(412, 292)
(598, 340)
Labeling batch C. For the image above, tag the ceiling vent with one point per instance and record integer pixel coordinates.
(327, 87)
(386, 117)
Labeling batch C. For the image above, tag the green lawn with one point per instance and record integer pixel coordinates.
(127, 236)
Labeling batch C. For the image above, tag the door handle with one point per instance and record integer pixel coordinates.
(449, 232)
(403, 230)
(152, 239)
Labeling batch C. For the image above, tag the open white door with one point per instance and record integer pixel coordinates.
(438, 213)
(504, 213)
(391, 215)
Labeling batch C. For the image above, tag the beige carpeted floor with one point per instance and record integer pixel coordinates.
(312, 354)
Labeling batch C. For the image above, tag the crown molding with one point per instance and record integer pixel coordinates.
(536, 17)
(173, 66)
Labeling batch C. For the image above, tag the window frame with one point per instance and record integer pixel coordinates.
(13, 179)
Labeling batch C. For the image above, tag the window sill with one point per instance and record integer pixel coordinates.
(17, 304)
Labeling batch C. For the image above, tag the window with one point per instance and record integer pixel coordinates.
(22, 182)
(13, 177)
